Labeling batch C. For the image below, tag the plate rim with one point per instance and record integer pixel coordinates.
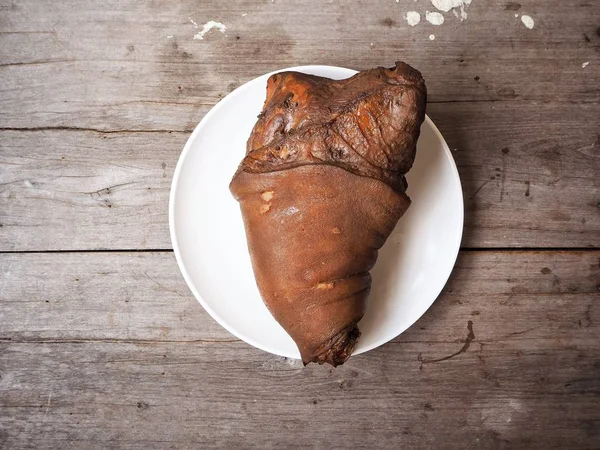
(173, 192)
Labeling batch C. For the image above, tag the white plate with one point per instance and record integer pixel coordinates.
(210, 244)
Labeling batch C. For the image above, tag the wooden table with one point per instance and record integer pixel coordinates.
(103, 346)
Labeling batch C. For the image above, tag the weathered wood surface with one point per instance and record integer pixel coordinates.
(142, 296)
(110, 350)
(111, 65)
(530, 175)
(84, 190)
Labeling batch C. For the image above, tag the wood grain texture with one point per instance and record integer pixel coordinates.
(525, 184)
(142, 296)
(115, 353)
(84, 190)
(112, 66)
(514, 103)
(110, 350)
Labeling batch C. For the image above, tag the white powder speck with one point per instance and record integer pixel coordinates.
(585, 64)
(170, 36)
(244, 14)
(516, 15)
(193, 23)
(209, 26)
(457, 6)
(413, 18)
(434, 18)
(431, 37)
(527, 21)
(447, 5)
(397, 1)
(28, 184)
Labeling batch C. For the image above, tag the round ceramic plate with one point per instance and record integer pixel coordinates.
(210, 244)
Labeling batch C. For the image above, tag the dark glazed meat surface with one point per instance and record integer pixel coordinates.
(364, 124)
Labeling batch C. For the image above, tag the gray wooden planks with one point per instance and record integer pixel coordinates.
(141, 296)
(112, 65)
(123, 395)
(122, 356)
(517, 106)
(109, 349)
(85, 190)
(530, 174)
(524, 184)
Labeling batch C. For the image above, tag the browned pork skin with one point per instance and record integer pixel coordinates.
(321, 188)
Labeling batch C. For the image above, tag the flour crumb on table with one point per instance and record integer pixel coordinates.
(413, 18)
(457, 6)
(527, 21)
(434, 18)
(585, 64)
(431, 37)
(209, 26)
